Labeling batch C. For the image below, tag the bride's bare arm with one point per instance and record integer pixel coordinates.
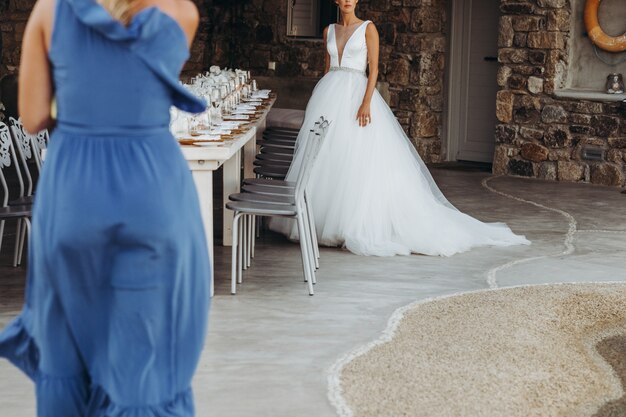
(326, 55)
(371, 35)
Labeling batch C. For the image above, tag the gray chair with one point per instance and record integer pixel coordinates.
(276, 173)
(289, 206)
(274, 157)
(29, 158)
(274, 146)
(283, 193)
(23, 213)
(280, 192)
(275, 141)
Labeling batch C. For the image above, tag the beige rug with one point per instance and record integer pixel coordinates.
(550, 350)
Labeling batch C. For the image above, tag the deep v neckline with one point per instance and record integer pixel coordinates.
(340, 54)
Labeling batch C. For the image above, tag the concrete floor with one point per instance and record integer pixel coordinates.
(270, 346)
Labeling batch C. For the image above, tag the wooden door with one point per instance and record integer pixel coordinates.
(472, 80)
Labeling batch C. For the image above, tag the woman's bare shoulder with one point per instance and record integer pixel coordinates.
(188, 10)
(42, 18)
(45, 6)
(370, 25)
(371, 29)
(185, 12)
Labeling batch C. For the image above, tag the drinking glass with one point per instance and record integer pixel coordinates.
(216, 102)
(194, 125)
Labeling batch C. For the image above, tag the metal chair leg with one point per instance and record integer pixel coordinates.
(309, 240)
(234, 252)
(16, 250)
(240, 250)
(1, 233)
(243, 239)
(22, 242)
(313, 229)
(312, 237)
(306, 263)
(254, 236)
(250, 238)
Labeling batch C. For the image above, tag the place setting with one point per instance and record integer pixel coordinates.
(234, 104)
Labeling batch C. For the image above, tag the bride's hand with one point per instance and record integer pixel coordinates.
(364, 116)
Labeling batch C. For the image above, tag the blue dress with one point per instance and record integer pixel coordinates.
(117, 295)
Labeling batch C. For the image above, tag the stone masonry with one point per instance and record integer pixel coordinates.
(250, 33)
(540, 135)
(13, 17)
(412, 54)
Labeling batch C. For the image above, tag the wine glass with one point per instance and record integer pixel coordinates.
(216, 102)
(194, 125)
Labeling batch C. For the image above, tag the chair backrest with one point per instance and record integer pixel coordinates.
(7, 159)
(306, 154)
(27, 152)
(313, 145)
(42, 139)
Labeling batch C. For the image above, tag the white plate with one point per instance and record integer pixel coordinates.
(207, 144)
(230, 124)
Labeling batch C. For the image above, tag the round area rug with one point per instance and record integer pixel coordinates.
(547, 350)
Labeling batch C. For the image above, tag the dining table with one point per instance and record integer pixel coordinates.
(238, 150)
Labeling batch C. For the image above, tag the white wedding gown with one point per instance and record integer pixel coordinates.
(369, 189)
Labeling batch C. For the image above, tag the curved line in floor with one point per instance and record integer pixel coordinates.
(617, 232)
(492, 280)
(335, 392)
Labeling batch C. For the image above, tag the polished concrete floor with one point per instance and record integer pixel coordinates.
(270, 346)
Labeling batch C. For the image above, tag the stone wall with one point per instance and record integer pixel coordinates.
(412, 60)
(540, 135)
(13, 17)
(250, 33)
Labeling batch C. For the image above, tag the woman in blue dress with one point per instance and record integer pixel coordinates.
(118, 281)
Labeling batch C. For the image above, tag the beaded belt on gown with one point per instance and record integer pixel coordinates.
(347, 69)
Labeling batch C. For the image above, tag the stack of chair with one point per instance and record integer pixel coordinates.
(25, 150)
(13, 204)
(272, 196)
(276, 152)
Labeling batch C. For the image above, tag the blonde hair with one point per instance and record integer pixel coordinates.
(121, 10)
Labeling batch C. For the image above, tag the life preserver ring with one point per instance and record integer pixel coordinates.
(595, 32)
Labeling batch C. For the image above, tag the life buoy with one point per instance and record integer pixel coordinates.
(595, 32)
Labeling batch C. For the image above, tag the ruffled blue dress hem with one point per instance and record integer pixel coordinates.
(20, 348)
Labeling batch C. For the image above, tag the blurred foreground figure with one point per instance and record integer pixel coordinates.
(118, 281)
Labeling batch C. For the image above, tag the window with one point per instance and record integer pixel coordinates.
(308, 18)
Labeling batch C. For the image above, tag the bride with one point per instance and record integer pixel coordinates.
(369, 189)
